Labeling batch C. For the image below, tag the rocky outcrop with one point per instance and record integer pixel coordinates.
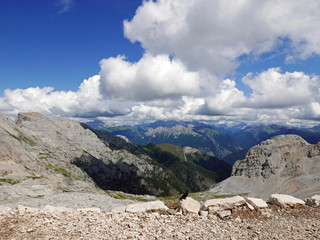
(286, 164)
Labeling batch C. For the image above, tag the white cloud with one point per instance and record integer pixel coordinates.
(152, 78)
(86, 102)
(212, 34)
(272, 89)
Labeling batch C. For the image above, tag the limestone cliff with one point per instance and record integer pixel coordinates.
(284, 164)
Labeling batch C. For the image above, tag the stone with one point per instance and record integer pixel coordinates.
(189, 205)
(250, 206)
(121, 209)
(146, 206)
(284, 201)
(204, 213)
(257, 203)
(224, 213)
(316, 197)
(23, 210)
(226, 203)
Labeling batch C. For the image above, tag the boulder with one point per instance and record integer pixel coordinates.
(284, 201)
(189, 205)
(257, 203)
(146, 206)
(225, 203)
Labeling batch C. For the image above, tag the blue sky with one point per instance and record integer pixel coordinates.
(129, 61)
(42, 46)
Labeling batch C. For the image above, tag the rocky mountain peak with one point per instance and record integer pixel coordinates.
(270, 156)
(284, 164)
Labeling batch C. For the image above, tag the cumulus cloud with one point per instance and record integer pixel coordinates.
(86, 102)
(225, 102)
(272, 89)
(212, 34)
(151, 78)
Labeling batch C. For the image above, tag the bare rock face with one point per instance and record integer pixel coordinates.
(285, 164)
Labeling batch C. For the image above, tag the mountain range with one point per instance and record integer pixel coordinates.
(40, 155)
(229, 143)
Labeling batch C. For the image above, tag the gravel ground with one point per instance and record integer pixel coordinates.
(302, 223)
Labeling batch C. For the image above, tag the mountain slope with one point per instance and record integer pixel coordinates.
(197, 170)
(284, 164)
(41, 155)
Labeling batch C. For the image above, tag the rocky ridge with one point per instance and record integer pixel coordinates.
(285, 164)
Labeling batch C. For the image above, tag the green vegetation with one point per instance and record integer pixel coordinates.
(10, 181)
(123, 195)
(22, 138)
(62, 171)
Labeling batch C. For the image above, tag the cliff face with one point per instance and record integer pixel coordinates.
(283, 164)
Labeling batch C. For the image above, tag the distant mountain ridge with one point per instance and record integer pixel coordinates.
(229, 143)
(193, 134)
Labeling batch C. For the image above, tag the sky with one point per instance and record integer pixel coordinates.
(133, 61)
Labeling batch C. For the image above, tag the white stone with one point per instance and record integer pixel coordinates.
(204, 213)
(229, 202)
(283, 200)
(121, 209)
(316, 197)
(257, 203)
(146, 206)
(250, 206)
(190, 205)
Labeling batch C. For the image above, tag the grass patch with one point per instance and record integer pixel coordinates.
(123, 195)
(10, 181)
(21, 138)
